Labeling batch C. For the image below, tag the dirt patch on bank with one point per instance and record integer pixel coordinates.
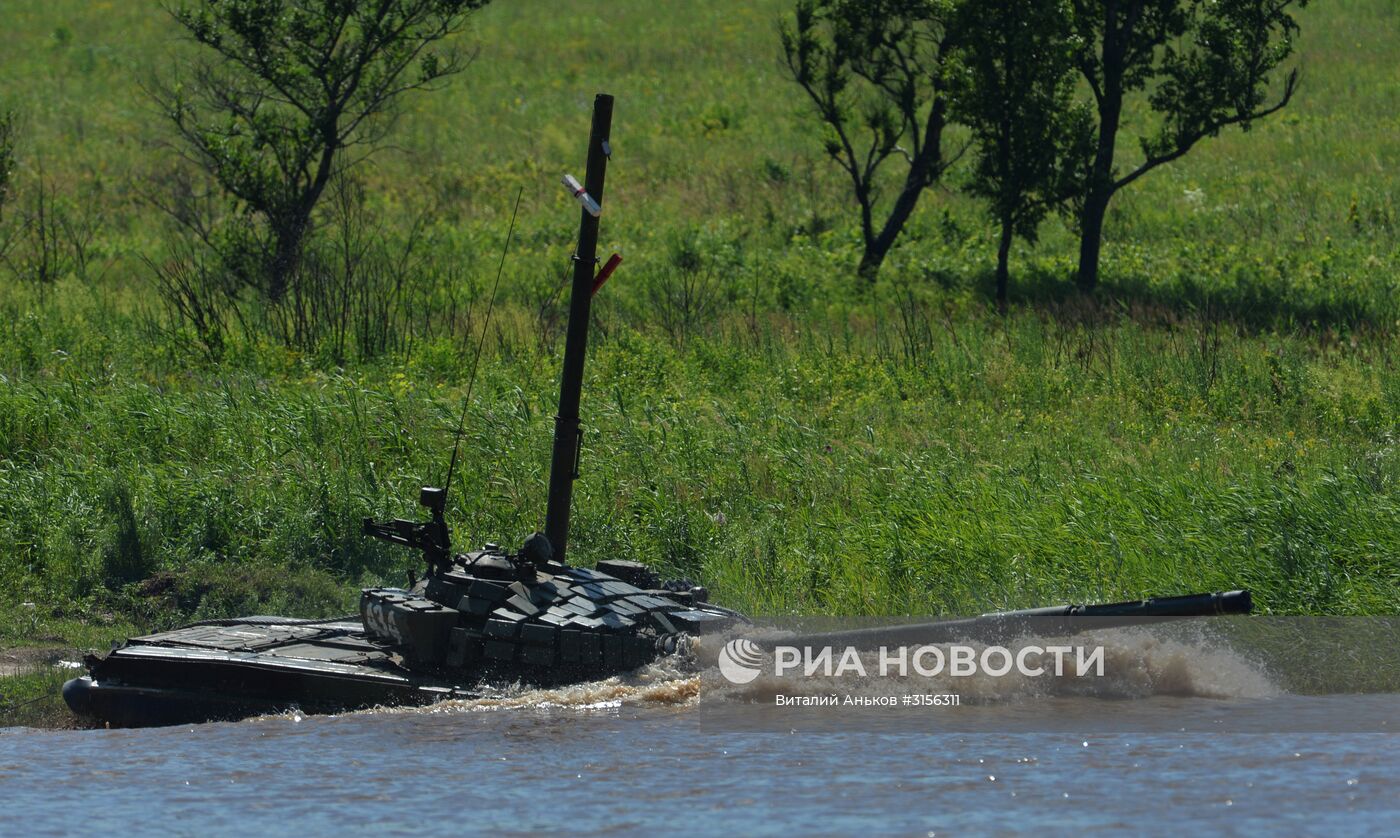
(25, 660)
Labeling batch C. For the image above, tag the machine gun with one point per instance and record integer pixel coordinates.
(431, 536)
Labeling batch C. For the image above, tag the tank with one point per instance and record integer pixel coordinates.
(486, 615)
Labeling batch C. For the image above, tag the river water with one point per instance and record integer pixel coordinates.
(1201, 744)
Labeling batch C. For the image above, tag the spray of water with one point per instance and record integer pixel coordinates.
(1138, 664)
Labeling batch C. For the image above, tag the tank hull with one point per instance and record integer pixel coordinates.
(235, 670)
(120, 705)
(403, 650)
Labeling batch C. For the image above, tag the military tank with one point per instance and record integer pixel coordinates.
(487, 615)
(482, 616)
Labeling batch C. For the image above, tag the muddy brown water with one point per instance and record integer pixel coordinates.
(1174, 738)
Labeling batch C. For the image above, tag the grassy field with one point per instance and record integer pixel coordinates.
(1225, 414)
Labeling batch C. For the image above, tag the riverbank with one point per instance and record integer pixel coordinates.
(30, 680)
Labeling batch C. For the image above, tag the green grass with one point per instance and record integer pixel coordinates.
(1226, 417)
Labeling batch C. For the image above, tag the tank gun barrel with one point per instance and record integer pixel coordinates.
(1055, 620)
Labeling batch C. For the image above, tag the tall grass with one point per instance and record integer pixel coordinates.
(1006, 462)
(1225, 417)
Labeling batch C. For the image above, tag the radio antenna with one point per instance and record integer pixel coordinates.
(480, 345)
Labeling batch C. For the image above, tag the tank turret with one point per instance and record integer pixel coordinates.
(526, 615)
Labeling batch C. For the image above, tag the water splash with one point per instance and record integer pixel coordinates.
(1138, 664)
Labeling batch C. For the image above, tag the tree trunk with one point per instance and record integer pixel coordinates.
(1091, 238)
(1101, 186)
(286, 254)
(1003, 266)
(876, 248)
(1100, 192)
(922, 172)
(291, 229)
(871, 260)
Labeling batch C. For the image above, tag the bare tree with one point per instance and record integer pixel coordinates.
(1202, 65)
(875, 70)
(287, 89)
(37, 250)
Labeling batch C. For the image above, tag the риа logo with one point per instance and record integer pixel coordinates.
(740, 661)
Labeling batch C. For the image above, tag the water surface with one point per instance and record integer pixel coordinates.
(1177, 738)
